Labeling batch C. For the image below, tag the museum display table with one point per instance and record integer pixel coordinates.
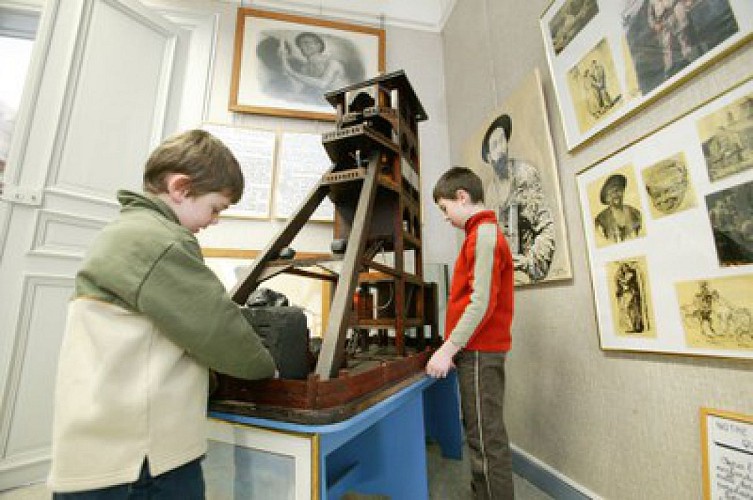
(381, 450)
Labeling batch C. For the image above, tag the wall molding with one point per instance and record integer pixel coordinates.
(548, 479)
(50, 225)
(32, 285)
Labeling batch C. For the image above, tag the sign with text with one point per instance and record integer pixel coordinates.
(727, 441)
(254, 149)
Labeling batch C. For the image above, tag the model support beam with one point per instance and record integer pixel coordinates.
(332, 354)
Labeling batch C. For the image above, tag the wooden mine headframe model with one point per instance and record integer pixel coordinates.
(374, 185)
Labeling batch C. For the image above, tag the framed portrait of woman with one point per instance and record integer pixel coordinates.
(283, 64)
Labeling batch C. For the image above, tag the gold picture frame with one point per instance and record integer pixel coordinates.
(283, 64)
(610, 60)
(727, 452)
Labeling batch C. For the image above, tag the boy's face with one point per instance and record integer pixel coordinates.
(198, 212)
(455, 211)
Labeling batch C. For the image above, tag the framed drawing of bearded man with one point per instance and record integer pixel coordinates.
(512, 153)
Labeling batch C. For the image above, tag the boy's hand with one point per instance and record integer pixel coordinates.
(441, 362)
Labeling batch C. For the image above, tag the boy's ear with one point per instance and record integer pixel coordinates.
(178, 186)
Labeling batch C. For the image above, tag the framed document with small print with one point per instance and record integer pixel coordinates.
(727, 447)
(254, 149)
(302, 162)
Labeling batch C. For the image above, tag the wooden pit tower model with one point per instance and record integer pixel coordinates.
(374, 184)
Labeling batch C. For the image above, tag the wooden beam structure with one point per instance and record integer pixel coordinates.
(374, 185)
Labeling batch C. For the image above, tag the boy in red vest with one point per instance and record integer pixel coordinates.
(479, 315)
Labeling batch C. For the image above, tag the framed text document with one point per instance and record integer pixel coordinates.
(254, 149)
(727, 446)
(301, 165)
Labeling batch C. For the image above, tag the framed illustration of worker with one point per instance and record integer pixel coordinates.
(284, 64)
(594, 87)
(653, 45)
(568, 20)
(630, 299)
(724, 135)
(614, 201)
(513, 155)
(670, 245)
(730, 214)
(717, 312)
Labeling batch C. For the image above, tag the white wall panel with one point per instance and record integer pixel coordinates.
(105, 87)
(28, 408)
(624, 425)
(60, 234)
(122, 67)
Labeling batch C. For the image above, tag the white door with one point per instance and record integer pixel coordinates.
(104, 88)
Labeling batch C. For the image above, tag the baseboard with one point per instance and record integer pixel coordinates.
(19, 475)
(547, 479)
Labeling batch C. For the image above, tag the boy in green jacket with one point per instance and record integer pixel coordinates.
(147, 320)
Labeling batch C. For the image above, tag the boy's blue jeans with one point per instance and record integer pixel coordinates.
(184, 483)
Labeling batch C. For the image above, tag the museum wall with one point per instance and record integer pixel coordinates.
(417, 52)
(31, 316)
(621, 425)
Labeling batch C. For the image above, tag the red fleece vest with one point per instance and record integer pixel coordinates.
(493, 332)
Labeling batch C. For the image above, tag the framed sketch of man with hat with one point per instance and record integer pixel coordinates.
(512, 153)
(522, 210)
(619, 220)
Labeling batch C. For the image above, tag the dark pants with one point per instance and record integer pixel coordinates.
(481, 376)
(184, 483)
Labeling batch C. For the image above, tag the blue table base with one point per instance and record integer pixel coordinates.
(382, 450)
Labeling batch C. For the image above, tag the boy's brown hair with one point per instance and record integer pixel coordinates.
(458, 178)
(209, 164)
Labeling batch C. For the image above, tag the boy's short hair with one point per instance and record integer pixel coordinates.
(209, 164)
(458, 178)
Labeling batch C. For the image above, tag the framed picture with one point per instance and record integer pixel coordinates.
(669, 229)
(255, 151)
(727, 448)
(284, 64)
(609, 59)
(513, 155)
